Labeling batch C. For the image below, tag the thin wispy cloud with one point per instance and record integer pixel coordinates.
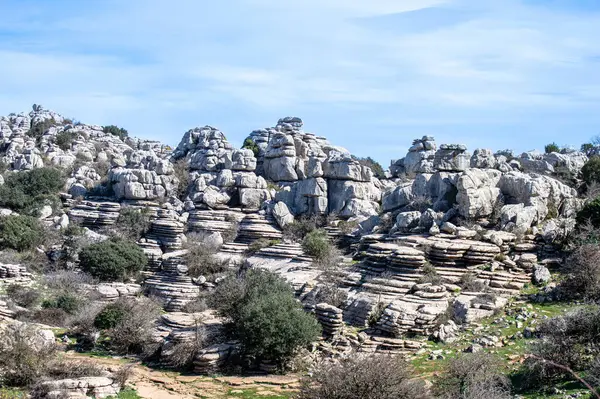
(370, 76)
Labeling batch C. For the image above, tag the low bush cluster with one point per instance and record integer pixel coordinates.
(115, 259)
(316, 244)
(25, 192)
(133, 223)
(20, 232)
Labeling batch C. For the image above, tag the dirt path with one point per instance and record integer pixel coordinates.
(158, 384)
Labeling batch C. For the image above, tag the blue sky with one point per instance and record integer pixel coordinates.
(368, 75)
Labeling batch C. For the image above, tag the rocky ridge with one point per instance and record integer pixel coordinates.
(440, 212)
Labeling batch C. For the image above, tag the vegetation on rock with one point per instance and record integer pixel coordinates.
(115, 259)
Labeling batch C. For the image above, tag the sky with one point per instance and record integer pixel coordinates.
(370, 76)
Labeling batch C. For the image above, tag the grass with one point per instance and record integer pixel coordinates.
(127, 393)
(7, 393)
(507, 326)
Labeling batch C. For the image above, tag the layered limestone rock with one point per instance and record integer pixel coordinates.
(314, 176)
(84, 387)
(420, 158)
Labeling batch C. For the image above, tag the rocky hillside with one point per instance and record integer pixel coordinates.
(446, 238)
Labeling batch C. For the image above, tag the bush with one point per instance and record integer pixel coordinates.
(373, 165)
(201, 259)
(570, 340)
(297, 230)
(365, 377)
(474, 376)
(116, 131)
(67, 281)
(26, 297)
(260, 244)
(113, 260)
(182, 173)
(590, 172)
(20, 232)
(582, 270)
(264, 316)
(469, 282)
(590, 213)
(431, 276)
(49, 316)
(588, 149)
(64, 140)
(65, 301)
(181, 354)
(26, 191)
(110, 316)
(249, 144)
(552, 147)
(133, 333)
(316, 244)
(38, 129)
(23, 356)
(133, 223)
(327, 293)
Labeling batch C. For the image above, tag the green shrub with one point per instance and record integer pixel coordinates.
(133, 223)
(365, 377)
(65, 301)
(115, 259)
(20, 232)
(373, 164)
(26, 191)
(264, 316)
(590, 172)
(110, 316)
(249, 144)
(316, 244)
(38, 129)
(590, 213)
(260, 244)
(297, 230)
(64, 140)
(552, 147)
(116, 131)
(588, 149)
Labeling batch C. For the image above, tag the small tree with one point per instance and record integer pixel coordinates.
(20, 232)
(64, 140)
(365, 377)
(133, 331)
(552, 147)
(264, 316)
(590, 172)
(590, 213)
(316, 244)
(115, 259)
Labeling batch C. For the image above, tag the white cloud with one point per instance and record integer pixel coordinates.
(183, 60)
